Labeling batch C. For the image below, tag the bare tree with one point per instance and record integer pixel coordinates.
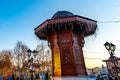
(20, 55)
(20, 59)
(44, 57)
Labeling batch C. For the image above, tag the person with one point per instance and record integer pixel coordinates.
(17, 78)
(0, 77)
(36, 76)
(110, 78)
(46, 76)
(13, 77)
(43, 76)
(10, 78)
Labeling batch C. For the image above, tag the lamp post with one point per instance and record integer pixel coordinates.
(31, 56)
(111, 48)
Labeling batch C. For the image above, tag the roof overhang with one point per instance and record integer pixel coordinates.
(89, 25)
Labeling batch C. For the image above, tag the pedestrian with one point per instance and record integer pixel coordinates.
(10, 78)
(43, 76)
(46, 76)
(0, 77)
(13, 77)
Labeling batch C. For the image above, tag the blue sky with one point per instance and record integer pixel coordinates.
(18, 18)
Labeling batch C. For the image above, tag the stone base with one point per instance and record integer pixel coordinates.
(71, 78)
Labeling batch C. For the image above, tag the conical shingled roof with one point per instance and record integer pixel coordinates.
(61, 14)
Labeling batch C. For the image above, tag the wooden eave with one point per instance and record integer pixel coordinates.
(82, 21)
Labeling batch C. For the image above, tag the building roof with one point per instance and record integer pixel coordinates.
(62, 14)
(62, 20)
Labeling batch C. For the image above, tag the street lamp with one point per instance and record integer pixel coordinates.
(30, 59)
(111, 48)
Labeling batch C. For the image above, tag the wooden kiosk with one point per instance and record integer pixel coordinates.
(65, 34)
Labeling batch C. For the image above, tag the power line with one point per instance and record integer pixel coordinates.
(110, 21)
